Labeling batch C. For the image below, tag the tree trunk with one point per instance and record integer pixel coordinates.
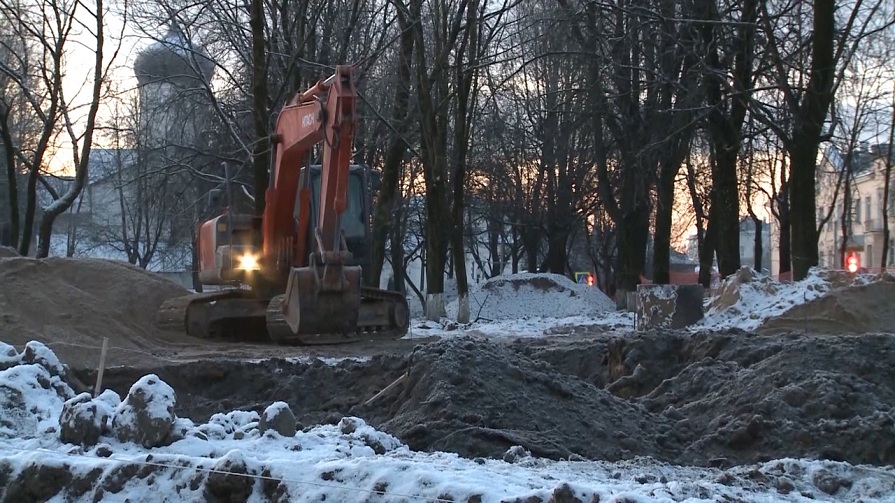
(11, 176)
(725, 210)
(632, 239)
(394, 156)
(706, 248)
(803, 218)
(260, 113)
(758, 250)
(397, 252)
(784, 250)
(30, 211)
(806, 138)
(494, 231)
(664, 218)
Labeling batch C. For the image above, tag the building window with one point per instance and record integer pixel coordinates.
(857, 204)
(867, 207)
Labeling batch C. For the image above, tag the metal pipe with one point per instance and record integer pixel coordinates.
(318, 88)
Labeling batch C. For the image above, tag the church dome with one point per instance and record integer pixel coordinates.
(173, 59)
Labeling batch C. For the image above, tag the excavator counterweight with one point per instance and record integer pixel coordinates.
(303, 286)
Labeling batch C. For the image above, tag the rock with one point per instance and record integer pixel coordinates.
(564, 494)
(278, 417)
(146, 416)
(516, 453)
(37, 353)
(38, 482)
(83, 420)
(8, 352)
(228, 481)
(668, 306)
(784, 485)
(828, 482)
(347, 425)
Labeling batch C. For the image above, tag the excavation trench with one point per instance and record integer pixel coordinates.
(705, 399)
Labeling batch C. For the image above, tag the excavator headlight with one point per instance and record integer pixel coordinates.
(249, 262)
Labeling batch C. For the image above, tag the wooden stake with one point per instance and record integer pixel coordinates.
(102, 367)
(385, 389)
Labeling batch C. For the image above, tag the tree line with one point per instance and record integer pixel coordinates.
(504, 129)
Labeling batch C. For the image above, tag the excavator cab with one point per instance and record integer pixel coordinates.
(354, 222)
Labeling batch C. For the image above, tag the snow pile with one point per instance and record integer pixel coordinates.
(32, 391)
(746, 299)
(530, 295)
(826, 301)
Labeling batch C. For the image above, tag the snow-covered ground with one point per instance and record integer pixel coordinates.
(348, 461)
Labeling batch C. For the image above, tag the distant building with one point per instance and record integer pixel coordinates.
(864, 221)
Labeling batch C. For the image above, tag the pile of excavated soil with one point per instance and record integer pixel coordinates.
(526, 295)
(703, 399)
(481, 399)
(71, 304)
(851, 309)
(744, 397)
(6, 251)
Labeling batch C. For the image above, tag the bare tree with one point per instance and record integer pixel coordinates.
(52, 27)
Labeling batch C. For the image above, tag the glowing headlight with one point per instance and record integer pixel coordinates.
(248, 262)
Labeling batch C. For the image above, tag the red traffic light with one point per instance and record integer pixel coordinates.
(852, 262)
(590, 280)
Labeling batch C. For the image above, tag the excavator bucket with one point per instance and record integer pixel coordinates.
(321, 302)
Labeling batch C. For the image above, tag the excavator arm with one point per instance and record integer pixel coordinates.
(322, 291)
(301, 125)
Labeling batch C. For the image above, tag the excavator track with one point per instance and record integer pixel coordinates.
(229, 314)
(238, 316)
(384, 315)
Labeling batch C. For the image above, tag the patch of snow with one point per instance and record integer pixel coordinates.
(530, 327)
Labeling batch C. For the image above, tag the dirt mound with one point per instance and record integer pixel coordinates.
(481, 399)
(745, 398)
(845, 310)
(6, 251)
(70, 304)
(525, 295)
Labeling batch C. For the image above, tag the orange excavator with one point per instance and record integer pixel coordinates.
(303, 286)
